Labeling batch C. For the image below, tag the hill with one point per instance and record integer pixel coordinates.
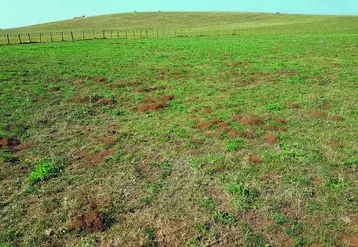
(205, 21)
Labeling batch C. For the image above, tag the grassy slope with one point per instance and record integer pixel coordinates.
(168, 179)
(204, 21)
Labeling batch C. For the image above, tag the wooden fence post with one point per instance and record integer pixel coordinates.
(40, 37)
(8, 39)
(157, 33)
(20, 38)
(28, 35)
(111, 34)
(104, 34)
(51, 37)
(146, 31)
(83, 35)
(62, 39)
(126, 34)
(72, 36)
(117, 34)
(133, 33)
(94, 35)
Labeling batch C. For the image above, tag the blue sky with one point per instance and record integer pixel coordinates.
(16, 13)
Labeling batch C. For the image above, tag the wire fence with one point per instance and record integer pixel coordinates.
(28, 38)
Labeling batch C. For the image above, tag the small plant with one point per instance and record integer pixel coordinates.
(240, 190)
(235, 145)
(46, 169)
(224, 218)
(275, 107)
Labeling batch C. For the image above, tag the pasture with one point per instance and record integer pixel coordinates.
(245, 140)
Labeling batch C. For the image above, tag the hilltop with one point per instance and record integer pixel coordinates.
(207, 21)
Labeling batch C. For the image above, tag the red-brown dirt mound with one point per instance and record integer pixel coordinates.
(96, 158)
(272, 139)
(8, 143)
(233, 133)
(223, 126)
(204, 126)
(92, 221)
(159, 103)
(317, 114)
(335, 118)
(251, 120)
(255, 159)
(105, 101)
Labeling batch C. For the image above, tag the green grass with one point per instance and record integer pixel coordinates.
(179, 24)
(175, 176)
(45, 169)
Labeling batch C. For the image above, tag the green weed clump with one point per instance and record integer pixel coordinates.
(45, 170)
(235, 145)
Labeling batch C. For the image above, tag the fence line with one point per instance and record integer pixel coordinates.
(28, 38)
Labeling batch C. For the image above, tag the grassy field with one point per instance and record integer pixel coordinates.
(209, 22)
(246, 140)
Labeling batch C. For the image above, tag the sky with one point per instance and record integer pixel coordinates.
(17, 13)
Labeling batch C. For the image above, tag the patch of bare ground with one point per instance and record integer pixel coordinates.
(251, 119)
(91, 221)
(336, 118)
(271, 138)
(350, 240)
(255, 159)
(105, 101)
(233, 133)
(318, 114)
(9, 143)
(223, 126)
(96, 158)
(159, 103)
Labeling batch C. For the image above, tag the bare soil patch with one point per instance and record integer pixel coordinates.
(336, 118)
(318, 114)
(96, 158)
(10, 143)
(233, 133)
(92, 221)
(158, 103)
(255, 159)
(272, 139)
(251, 120)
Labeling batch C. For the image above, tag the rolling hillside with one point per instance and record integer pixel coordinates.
(205, 21)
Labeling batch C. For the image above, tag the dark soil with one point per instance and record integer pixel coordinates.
(10, 143)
